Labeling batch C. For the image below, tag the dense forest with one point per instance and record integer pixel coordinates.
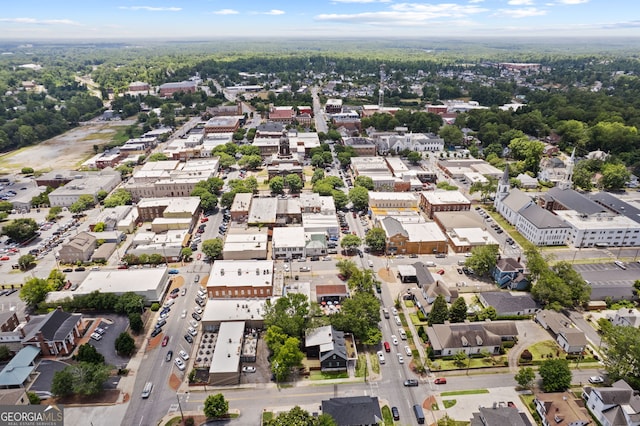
(588, 96)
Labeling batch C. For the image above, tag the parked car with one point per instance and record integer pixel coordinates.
(196, 317)
(173, 272)
(395, 413)
(248, 369)
(596, 379)
(192, 331)
(440, 381)
(156, 331)
(78, 269)
(184, 355)
(188, 338)
(169, 356)
(180, 364)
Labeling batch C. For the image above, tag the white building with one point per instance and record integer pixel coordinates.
(225, 362)
(240, 279)
(84, 184)
(240, 244)
(148, 283)
(288, 243)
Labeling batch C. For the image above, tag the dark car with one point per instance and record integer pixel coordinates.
(196, 317)
(413, 256)
(169, 356)
(156, 331)
(188, 338)
(67, 270)
(80, 269)
(395, 413)
(411, 383)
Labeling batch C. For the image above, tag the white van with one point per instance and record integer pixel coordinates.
(429, 263)
(403, 334)
(147, 390)
(169, 303)
(381, 357)
(397, 319)
(620, 264)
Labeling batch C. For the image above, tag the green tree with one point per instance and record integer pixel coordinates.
(157, 156)
(525, 377)
(6, 206)
(119, 197)
(299, 417)
(88, 353)
(129, 303)
(346, 267)
(288, 356)
(85, 202)
(62, 383)
(359, 196)
(452, 135)
(483, 259)
(88, 378)
(5, 353)
(27, 170)
(226, 160)
(294, 183)
(318, 174)
(290, 313)
(56, 279)
(20, 229)
(528, 151)
(573, 133)
(26, 261)
(614, 176)
(124, 344)
(34, 399)
(340, 199)
(582, 177)
(578, 288)
(276, 185)
(488, 313)
(484, 188)
(350, 242)
(251, 162)
(376, 240)
(361, 280)
(186, 253)
(35, 290)
(360, 315)
(414, 157)
(364, 181)
(458, 311)
(622, 352)
(215, 406)
(555, 374)
(439, 311)
(612, 137)
(98, 227)
(135, 322)
(212, 248)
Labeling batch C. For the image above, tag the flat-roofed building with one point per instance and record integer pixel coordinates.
(443, 201)
(245, 244)
(288, 243)
(326, 224)
(218, 311)
(224, 124)
(168, 89)
(393, 200)
(240, 279)
(413, 238)
(176, 208)
(464, 230)
(263, 211)
(169, 244)
(84, 184)
(78, 249)
(149, 283)
(364, 147)
(333, 106)
(225, 362)
(282, 114)
(240, 207)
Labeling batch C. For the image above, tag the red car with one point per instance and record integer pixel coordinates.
(4, 258)
(204, 219)
(441, 272)
(342, 277)
(440, 381)
(165, 341)
(123, 267)
(199, 256)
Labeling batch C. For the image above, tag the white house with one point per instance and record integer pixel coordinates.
(615, 405)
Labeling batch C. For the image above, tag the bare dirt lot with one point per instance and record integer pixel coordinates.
(67, 151)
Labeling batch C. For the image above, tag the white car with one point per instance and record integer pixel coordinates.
(183, 314)
(596, 379)
(183, 355)
(198, 310)
(286, 267)
(180, 364)
(394, 339)
(192, 331)
(394, 311)
(164, 315)
(381, 357)
(407, 350)
(400, 359)
(193, 323)
(96, 336)
(248, 369)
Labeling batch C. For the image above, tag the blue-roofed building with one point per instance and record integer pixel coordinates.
(20, 368)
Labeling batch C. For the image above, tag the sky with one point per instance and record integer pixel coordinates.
(212, 19)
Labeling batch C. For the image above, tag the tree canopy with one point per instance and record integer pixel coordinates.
(555, 374)
(215, 406)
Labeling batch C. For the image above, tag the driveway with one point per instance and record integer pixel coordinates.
(46, 369)
(529, 333)
(113, 326)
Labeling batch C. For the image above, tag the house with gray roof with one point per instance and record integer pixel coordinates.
(509, 273)
(615, 405)
(327, 344)
(78, 249)
(506, 303)
(354, 410)
(626, 317)
(439, 288)
(499, 416)
(570, 339)
(470, 337)
(56, 333)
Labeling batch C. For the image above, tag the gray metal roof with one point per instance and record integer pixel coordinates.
(353, 410)
(573, 200)
(394, 227)
(617, 205)
(423, 275)
(516, 200)
(542, 218)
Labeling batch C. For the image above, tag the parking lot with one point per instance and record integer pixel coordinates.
(112, 326)
(608, 279)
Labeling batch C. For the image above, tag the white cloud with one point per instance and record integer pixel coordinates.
(520, 2)
(151, 8)
(572, 1)
(521, 13)
(225, 12)
(362, 1)
(475, 1)
(274, 12)
(33, 21)
(407, 14)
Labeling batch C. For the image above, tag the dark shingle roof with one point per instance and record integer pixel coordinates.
(573, 200)
(617, 205)
(353, 410)
(542, 218)
(509, 264)
(498, 416)
(56, 325)
(505, 302)
(423, 275)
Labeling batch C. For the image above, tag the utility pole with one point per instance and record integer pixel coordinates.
(180, 407)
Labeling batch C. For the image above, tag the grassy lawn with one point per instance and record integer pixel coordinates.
(442, 364)
(266, 416)
(386, 416)
(361, 365)
(448, 403)
(319, 375)
(174, 421)
(542, 349)
(465, 392)
(415, 320)
(375, 365)
(528, 401)
(409, 303)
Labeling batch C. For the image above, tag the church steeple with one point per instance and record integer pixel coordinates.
(504, 187)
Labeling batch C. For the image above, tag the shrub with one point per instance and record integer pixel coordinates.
(155, 307)
(189, 421)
